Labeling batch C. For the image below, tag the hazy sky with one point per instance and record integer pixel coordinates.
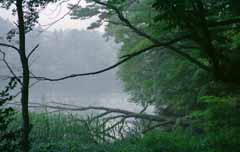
(52, 13)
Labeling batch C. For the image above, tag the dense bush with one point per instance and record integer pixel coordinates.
(219, 120)
(8, 136)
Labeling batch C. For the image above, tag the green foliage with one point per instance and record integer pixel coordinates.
(84, 13)
(207, 99)
(219, 121)
(64, 133)
(213, 129)
(59, 133)
(174, 142)
(161, 141)
(8, 136)
(160, 77)
(168, 78)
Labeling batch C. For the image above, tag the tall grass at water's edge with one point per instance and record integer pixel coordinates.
(60, 132)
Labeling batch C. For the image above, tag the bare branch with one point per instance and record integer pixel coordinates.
(123, 113)
(32, 51)
(115, 125)
(109, 118)
(110, 121)
(57, 8)
(126, 21)
(191, 59)
(49, 25)
(145, 108)
(101, 115)
(10, 46)
(9, 67)
(125, 59)
(31, 85)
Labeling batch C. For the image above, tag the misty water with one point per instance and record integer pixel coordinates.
(65, 52)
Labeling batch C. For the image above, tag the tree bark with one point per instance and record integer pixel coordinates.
(25, 81)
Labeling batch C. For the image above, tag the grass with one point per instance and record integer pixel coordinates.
(58, 132)
(66, 132)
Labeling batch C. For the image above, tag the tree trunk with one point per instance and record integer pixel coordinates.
(205, 42)
(25, 84)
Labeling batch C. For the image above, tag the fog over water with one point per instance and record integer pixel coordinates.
(67, 52)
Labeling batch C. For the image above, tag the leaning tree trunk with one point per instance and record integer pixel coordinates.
(25, 83)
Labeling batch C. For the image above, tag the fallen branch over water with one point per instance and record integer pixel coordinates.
(112, 120)
(107, 111)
